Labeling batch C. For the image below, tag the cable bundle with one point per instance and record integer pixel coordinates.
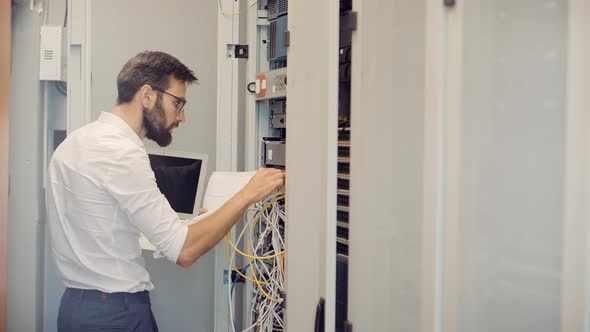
(265, 246)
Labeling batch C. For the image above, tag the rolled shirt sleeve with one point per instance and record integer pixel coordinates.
(131, 181)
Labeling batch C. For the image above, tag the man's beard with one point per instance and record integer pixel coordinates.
(154, 122)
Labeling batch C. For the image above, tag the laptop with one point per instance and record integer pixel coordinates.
(180, 176)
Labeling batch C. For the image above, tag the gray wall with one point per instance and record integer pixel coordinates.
(53, 286)
(56, 120)
(25, 223)
(184, 28)
(28, 284)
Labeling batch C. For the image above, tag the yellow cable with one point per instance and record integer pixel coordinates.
(252, 226)
(283, 265)
(258, 282)
(264, 208)
(228, 241)
(248, 255)
(254, 223)
(235, 268)
(251, 257)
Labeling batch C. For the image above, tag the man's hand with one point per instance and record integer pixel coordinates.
(264, 182)
(203, 236)
(202, 211)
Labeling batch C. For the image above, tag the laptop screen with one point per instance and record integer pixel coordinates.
(179, 179)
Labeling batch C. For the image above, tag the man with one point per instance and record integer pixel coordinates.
(101, 193)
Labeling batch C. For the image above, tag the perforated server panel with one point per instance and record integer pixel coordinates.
(277, 8)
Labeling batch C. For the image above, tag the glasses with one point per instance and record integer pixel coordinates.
(178, 101)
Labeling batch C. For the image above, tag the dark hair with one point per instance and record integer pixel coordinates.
(153, 68)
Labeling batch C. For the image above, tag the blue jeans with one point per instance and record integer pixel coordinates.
(92, 310)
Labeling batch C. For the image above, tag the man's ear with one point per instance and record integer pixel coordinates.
(147, 96)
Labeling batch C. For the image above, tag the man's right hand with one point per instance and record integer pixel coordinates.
(264, 182)
(204, 235)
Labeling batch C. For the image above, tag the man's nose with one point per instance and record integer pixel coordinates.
(180, 117)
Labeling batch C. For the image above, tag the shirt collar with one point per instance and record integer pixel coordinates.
(121, 125)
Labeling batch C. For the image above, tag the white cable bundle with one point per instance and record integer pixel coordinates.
(265, 252)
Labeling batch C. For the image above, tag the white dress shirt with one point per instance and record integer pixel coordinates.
(101, 193)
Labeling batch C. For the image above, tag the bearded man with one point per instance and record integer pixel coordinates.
(102, 193)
